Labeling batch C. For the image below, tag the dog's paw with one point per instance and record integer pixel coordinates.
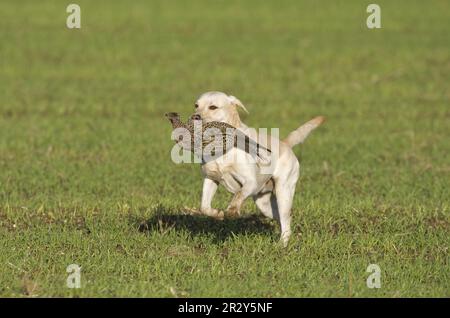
(214, 213)
(191, 211)
(220, 216)
(233, 211)
(284, 239)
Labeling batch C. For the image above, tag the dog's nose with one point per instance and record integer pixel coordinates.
(196, 117)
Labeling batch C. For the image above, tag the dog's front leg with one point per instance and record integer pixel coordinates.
(209, 189)
(248, 188)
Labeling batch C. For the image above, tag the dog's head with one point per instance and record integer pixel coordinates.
(218, 106)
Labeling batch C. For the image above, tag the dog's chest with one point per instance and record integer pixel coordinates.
(221, 174)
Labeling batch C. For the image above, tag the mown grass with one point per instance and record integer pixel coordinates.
(85, 169)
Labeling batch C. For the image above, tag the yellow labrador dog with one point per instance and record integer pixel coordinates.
(272, 188)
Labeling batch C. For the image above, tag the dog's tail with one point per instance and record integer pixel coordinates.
(299, 135)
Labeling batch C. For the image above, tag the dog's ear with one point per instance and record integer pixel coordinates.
(236, 102)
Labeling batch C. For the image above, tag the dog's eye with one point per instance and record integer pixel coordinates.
(196, 105)
(212, 107)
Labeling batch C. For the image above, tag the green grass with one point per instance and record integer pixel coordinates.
(85, 169)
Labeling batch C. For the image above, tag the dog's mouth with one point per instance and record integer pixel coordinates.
(206, 118)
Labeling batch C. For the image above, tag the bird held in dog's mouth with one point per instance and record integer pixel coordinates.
(221, 135)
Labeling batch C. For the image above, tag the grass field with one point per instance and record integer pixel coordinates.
(85, 169)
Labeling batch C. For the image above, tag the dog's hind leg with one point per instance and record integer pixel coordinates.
(266, 201)
(284, 191)
(267, 205)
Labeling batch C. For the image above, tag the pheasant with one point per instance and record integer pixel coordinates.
(231, 137)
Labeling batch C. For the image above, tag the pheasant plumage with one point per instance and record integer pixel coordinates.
(231, 137)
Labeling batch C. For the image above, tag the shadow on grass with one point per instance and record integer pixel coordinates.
(200, 225)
